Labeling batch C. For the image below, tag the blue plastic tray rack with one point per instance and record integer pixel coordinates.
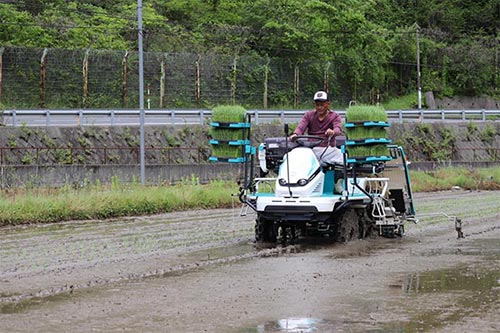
(370, 141)
(230, 125)
(367, 124)
(368, 159)
(227, 159)
(230, 142)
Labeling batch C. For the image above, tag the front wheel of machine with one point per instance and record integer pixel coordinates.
(265, 231)
(348, 226)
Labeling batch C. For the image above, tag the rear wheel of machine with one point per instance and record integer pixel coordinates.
(348, 226)
(265, 230)
(366, 224)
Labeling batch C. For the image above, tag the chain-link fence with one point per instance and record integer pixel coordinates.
(57, 78)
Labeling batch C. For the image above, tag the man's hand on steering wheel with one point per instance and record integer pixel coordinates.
(309, 141)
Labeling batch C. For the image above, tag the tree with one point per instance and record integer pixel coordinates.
(19, 28)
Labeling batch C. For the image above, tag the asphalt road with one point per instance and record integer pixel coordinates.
(190, 117)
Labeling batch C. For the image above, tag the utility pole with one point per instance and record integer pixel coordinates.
(141, 91)
(419, 81)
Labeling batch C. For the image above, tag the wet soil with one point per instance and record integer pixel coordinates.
(200, 271)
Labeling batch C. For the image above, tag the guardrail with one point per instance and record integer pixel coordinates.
(94, 117)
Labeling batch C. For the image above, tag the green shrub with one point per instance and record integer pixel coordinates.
(402, 103)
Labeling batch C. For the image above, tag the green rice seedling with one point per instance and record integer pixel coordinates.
(362, 113)
(368, 150)
(229, 114)
(365, 113)
(359, 151)
(225, 133)
(358, 133)
(227, 151)
(379, 150)
(378, 132)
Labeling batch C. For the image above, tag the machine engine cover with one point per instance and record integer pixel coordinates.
(275, 149)
(300, 174)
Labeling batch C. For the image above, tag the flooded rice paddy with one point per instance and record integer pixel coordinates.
(200, 271)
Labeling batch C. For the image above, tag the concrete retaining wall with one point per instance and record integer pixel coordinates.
(470, 145)
(77, 176)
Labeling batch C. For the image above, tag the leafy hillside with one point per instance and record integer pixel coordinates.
(374, 42)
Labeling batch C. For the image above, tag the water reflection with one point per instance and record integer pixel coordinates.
(293, 325)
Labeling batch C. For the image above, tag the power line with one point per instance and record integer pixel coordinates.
(68, 27)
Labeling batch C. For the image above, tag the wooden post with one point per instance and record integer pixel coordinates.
(496, 67)
(326, 80)
(266, 83)
(43, 77)
(355, 90)
(1, 71)
(85, 72)
(296, 86)
(1, 84)
(148, 95)
(233, 80)
(197, 81)
(163, 82)
(124, 79)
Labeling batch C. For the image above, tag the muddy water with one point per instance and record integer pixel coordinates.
(200, 271)
(43, 260)
(461, 298)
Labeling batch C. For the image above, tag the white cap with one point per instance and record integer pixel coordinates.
(321, 96)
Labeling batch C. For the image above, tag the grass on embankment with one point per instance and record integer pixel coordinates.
(101, 202)
(446, 178)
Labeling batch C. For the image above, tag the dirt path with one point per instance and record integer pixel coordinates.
(200, 271)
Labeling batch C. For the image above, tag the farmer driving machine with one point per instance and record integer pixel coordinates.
(294, 195)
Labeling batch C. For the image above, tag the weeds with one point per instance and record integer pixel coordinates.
(471, 130)
(488, 133)
(101, 202)
(402, 103)
(446, 178)
(95, 201)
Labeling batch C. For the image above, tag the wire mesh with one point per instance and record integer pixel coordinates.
(58, 78)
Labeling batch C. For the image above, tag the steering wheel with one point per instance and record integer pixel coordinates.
(309, 141)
